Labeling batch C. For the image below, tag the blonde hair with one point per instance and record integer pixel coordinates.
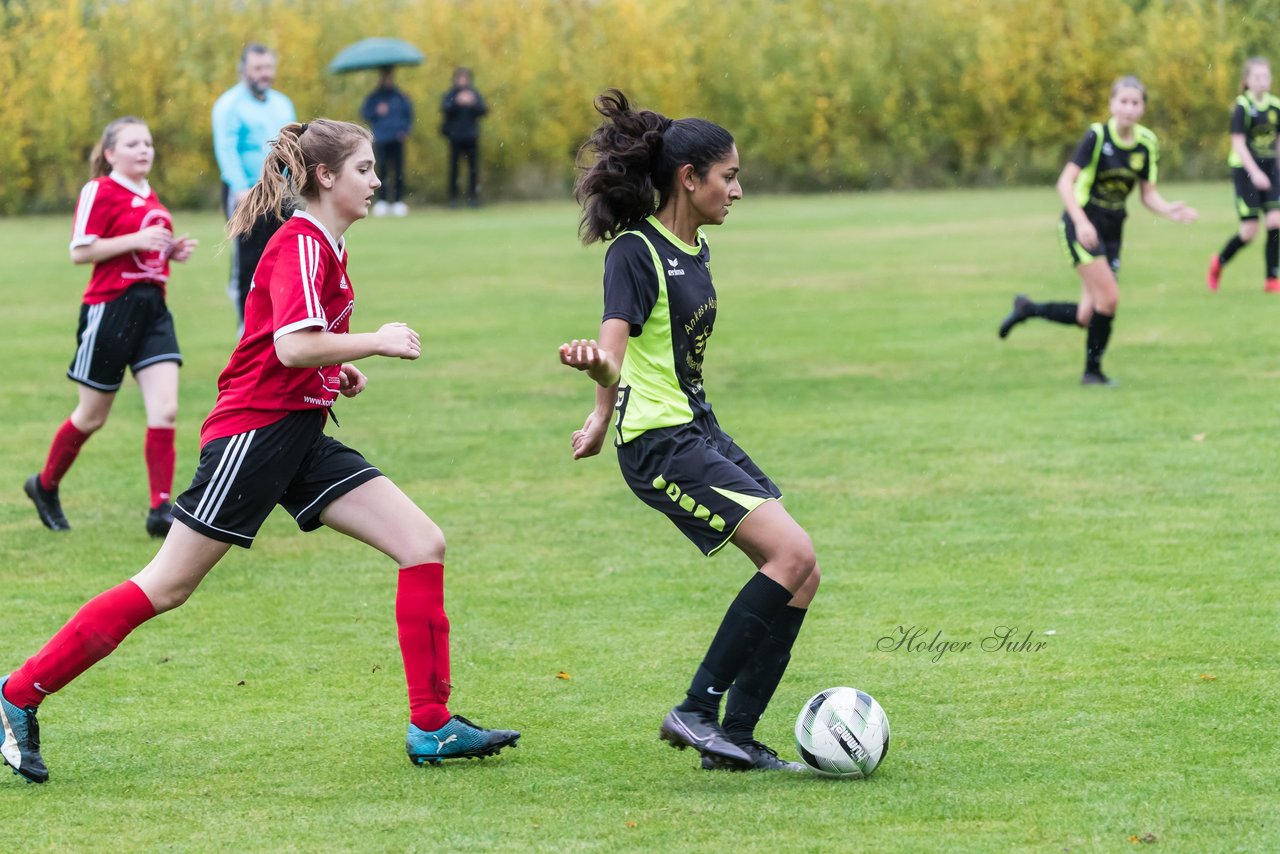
(1129, 82)
(289, 172)
(98, 165)
(1250, 64)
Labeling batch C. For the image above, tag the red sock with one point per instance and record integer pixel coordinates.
(160, 456)
(424, 643)
(87, 638)
(62, 453)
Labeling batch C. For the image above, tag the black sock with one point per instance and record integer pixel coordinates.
(1096, 341)
(1234, 245)
(1058, 312)
(744, 627)
(754, 687)
(1273, 253)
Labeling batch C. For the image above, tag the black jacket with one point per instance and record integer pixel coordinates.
(461, 124)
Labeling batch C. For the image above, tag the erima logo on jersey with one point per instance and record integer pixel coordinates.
(343, 284)
(138, 201)
(1107, 149)
(675, 267)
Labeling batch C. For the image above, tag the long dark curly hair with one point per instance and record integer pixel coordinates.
(629, 164)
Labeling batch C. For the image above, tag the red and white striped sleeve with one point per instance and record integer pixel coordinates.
(90, 222)
(296, 282)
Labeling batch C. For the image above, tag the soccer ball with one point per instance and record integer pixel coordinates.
(842, 732)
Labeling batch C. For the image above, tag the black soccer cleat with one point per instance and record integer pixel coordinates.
(1097, 378)
(160, 520)
(702, 732)
(763, 758)
(47, 504)
(1021, 311)
(20, 747)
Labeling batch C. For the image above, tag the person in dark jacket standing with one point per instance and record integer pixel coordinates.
(389, 114)
(462, 107)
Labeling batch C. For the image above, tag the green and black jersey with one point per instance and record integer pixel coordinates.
(1110, 169)
(1258, 122)
(662, 287)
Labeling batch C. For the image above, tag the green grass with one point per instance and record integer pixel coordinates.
(950, 481)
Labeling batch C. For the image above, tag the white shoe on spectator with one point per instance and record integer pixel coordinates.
(400, 209)
(381, 208)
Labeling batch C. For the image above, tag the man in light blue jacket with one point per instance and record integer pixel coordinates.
(245, 119)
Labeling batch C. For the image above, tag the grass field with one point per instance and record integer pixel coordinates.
(951, 482)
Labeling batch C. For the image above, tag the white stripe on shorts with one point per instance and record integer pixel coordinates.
(223, 476)
(84, 354)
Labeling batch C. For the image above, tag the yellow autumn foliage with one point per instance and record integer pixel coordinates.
(821, 94)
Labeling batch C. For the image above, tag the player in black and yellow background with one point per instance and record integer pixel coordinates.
(1255, 117)
(1111, 159)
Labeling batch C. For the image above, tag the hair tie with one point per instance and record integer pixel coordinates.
(303, 129)
(666, 124)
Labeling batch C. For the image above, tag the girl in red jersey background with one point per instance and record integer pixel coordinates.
(123, 230)
(264, 445)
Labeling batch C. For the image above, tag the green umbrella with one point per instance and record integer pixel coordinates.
(375, 53)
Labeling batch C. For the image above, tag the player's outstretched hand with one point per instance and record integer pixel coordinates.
(583, 354)
(351, 380)
(1182, 212)
(588, 441)
(399, 341)
(182, 247)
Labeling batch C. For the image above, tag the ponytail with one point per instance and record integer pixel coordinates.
(289, 171)
(98, 165)
(637, 154)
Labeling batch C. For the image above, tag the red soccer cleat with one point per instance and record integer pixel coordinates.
(1215, 273)
(1272, 286)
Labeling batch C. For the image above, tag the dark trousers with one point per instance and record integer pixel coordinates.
(458, 150)
(246, 252)
(390, 157)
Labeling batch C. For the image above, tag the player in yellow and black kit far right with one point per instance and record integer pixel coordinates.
(1108, 163)
(1255, 119)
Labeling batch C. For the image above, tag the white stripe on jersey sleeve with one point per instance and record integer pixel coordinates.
(310, 322)
(83, 207)
(304, 267)
(315, 272)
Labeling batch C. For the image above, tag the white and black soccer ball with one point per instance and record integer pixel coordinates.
(842, 732)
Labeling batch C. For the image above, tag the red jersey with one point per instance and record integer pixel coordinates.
(112, 206)
(300, 283)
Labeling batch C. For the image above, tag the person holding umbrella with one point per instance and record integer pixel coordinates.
(389, 114)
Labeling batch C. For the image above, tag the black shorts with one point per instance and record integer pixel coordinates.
(133, 330)
(1109, 236)
(1251, 202)
(695, 474)
(291, 462)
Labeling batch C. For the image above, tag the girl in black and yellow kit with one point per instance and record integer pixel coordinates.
(1110, 161)
(1255, 118)
(653, 185)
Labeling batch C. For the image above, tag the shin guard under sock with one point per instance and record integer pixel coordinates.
(744, 627)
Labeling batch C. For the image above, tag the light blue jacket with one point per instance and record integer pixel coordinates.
(242, 127)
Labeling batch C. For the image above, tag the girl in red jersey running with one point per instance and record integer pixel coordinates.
(264, 444)
(123, 230)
